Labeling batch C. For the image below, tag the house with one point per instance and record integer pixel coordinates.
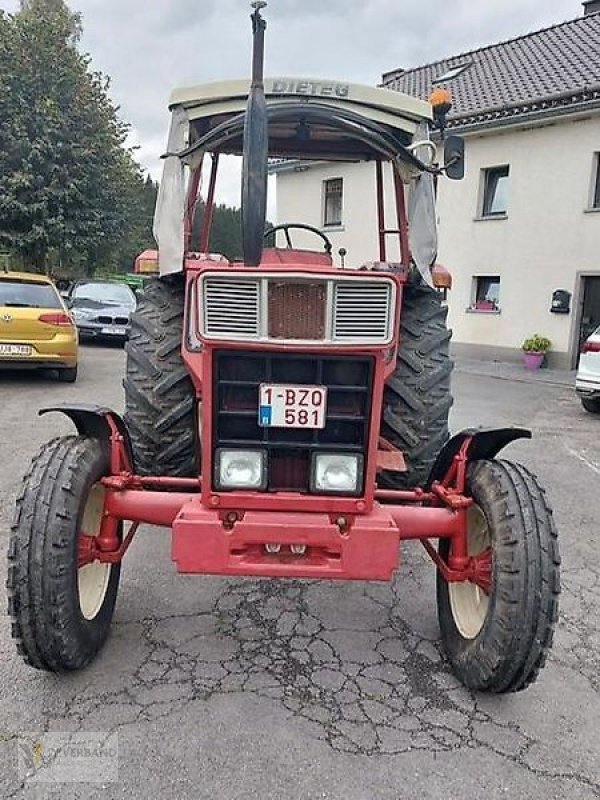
(521, 232)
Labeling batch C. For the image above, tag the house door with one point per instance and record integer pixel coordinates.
(590, 307)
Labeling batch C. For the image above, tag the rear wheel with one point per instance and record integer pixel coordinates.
(417, 398)
(68, 374)
(591, 404)
(61, 612)
(498, 641)
(160, 403)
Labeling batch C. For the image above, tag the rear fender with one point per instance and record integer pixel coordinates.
(485, 443)
(95, 422)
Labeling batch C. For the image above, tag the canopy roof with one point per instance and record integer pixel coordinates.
(308, 118)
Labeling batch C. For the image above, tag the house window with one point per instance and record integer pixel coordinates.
(596, 182)
(486, 293)
(332, 201)
(495, 191)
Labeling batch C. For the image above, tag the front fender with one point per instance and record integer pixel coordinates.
(485, 443)
(92, 421)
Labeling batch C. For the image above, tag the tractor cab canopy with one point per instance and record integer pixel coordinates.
(307, 119)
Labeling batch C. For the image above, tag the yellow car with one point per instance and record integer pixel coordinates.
(36, 330)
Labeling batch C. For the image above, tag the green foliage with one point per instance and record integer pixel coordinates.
(226, 234)
(226, 231)
(136, 235)
(536, 344)
(71, 195)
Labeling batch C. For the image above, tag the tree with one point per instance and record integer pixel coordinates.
(69, 189)
(137, 234)
(226, 231)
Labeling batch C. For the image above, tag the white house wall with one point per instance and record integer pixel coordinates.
(546, 239)
(300, 199)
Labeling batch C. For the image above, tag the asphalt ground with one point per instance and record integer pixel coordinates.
(221, 688)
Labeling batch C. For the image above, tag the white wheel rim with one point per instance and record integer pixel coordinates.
(93, 579)
(468, 602)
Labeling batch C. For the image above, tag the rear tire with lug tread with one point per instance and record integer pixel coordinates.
(501, 644)
(61, 613)
(417, 397)
(160, 402)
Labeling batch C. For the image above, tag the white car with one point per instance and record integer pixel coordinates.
(587, 382)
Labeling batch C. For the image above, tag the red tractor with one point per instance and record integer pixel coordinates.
(287, 417)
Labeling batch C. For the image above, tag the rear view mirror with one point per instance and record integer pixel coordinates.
(454, 157)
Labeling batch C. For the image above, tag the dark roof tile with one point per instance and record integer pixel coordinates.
(504, 78)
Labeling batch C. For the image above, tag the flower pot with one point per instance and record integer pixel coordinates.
(533, 360)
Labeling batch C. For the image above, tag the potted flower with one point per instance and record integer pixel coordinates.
(534, 349)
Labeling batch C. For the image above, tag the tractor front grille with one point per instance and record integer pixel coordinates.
(237, 378)
(345, 310)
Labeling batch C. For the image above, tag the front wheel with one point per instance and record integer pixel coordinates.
(498, 641)
(61, 612)
(591, 404)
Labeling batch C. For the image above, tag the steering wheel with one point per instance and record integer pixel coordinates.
(301, 226)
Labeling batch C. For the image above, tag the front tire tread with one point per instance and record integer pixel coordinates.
(513, 644)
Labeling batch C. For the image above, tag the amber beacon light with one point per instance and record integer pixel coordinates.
(441, 100)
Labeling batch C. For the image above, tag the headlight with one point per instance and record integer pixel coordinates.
(240, 469)
(337, 473)
(80, 314)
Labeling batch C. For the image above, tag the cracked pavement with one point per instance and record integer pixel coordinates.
(238, 688)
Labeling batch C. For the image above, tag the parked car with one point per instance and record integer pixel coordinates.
(587, 381)
(36, 330)
(102, 309)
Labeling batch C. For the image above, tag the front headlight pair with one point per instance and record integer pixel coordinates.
(331, 473)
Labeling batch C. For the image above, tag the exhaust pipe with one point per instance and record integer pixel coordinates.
(255, 152)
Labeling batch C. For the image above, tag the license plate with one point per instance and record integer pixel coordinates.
(112, 331)
(15, 350)
(283, 405)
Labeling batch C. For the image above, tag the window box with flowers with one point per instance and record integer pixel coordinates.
(485, 294)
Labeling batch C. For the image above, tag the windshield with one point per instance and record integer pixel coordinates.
(111, 294)
(24, 294)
